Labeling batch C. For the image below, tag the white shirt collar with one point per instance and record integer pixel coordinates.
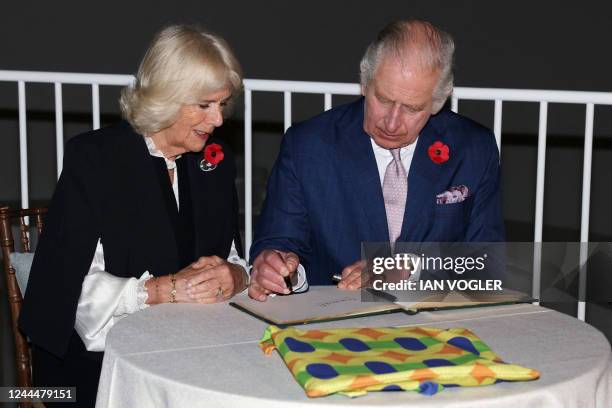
(153, 151)
(382, 152)
(384, 157)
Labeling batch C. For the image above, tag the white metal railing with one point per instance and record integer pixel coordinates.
(328, 89)
(58, 79)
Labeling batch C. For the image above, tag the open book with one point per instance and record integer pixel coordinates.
(324, 303)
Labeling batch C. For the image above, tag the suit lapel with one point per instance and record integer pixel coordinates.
(200, 183)
(357, 167)
(212, 204)
(146, 197)
(423, 178)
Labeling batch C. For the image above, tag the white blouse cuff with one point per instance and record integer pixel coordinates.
(235, 259)
(135, 296)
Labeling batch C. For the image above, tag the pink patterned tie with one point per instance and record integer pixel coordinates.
(395, 190)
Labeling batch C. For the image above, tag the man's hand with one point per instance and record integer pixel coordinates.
(355, 276)
(269, 269)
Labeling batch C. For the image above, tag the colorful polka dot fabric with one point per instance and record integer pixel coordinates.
(354, 361)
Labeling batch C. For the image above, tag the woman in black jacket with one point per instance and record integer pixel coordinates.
(145, 212)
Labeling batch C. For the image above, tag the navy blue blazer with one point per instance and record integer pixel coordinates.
(325, 198)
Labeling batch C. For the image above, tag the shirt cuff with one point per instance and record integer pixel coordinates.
(135, 295)
(299, 281)
(235, 259)
(416, 272)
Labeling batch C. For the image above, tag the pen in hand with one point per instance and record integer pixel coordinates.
(288, 283)
(287, 259)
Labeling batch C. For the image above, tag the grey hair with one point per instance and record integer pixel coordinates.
(416, 42)
(182, 64)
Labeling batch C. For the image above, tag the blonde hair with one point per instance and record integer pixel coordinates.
(417, 42)
(181, 65)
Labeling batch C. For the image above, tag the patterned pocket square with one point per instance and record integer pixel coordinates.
(455, 194)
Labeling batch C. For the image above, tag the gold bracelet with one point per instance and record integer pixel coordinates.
(173, 290)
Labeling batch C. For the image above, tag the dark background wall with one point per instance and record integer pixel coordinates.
(545, 44)
(514, 44)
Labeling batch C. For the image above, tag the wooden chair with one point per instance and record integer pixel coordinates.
(15, 297)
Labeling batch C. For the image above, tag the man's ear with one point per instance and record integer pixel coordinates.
(436, 107)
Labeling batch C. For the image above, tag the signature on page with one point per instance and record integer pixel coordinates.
(344, 299)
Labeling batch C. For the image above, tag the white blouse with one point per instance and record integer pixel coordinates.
(105, 298)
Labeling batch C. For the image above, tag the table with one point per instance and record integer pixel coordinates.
(179, 355)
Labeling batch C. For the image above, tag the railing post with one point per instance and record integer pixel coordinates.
(95, 105)
(59, 128)
(23, 145)
(287, 110)
(539, 207)
(586, 202)
(248, 173)
(497, 124)
(327, 101)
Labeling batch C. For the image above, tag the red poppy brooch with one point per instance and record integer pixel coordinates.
(438, 152)
(213, 155)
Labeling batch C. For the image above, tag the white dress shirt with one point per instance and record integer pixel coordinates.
(105, 298)
(384, 157)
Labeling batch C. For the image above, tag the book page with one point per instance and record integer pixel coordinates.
(470, 298)
(413, 300)
(505, 295)
(319, 303)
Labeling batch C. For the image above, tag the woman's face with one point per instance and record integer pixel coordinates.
(195, 124)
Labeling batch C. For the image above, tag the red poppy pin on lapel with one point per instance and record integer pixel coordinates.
(213, 155)
(438, 152)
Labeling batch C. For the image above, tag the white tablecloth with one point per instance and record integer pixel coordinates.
(177, 355)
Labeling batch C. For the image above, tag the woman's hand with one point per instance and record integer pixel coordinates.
(214, 280)
(159, 289)
(208, 280)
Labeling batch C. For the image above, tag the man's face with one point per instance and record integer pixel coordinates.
(398, 103)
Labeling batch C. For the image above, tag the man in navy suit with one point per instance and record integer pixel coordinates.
(327, 193)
